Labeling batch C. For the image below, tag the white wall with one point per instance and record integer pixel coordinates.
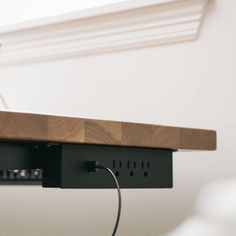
(190, 84)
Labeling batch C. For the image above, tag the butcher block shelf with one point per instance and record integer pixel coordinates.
(17, 126)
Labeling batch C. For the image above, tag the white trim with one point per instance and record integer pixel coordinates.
(121, 26)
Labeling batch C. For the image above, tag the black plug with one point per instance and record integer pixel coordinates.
(91, 166)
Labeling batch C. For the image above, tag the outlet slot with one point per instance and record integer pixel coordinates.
(120, 164)
(128, 164)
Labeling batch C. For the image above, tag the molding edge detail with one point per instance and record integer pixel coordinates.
(121, 26)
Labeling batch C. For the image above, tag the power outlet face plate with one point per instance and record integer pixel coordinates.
(65, 166)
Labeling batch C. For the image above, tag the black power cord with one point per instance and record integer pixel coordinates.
(93, 166)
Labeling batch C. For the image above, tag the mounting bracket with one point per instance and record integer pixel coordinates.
(20, 163)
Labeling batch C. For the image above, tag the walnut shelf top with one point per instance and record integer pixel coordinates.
(16, 126)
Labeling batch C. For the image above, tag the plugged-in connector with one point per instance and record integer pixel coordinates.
(91, 166)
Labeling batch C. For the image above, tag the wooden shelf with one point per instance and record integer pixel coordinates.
(16, 126)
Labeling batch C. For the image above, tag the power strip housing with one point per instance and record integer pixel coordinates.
(65, 166)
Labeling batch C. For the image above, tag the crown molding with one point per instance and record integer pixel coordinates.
(122, 26)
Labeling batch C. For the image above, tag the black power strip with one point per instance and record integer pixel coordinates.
(65, 166)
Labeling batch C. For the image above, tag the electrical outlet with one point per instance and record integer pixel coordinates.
(64, 166)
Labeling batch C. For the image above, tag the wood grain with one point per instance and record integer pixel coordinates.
(36, 127)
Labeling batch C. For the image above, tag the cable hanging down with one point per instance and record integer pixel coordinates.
(93, 167)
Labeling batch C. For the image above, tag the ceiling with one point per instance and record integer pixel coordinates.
(13, 11)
